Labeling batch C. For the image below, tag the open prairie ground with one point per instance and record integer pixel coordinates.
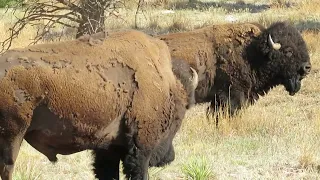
(277, 138)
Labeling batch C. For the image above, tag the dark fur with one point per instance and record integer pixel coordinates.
(181, 70)
(106, 162)
(135, 160)
(164, 153)
(263, 68)
(239, 62)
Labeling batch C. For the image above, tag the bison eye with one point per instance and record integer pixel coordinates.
(288, 52)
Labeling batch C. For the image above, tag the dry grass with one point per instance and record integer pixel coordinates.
(277, 138)
(309, 6)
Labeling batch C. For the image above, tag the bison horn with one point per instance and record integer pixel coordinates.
(195, 78)
(275, 46)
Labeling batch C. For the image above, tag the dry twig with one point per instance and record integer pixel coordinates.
(87, 16)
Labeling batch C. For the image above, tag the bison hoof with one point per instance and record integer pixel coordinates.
(53, 159)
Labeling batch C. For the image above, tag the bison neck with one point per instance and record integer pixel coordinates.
(263, 70)
(238, 79)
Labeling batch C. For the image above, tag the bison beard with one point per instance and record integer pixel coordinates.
(237, 63)
(115, 94)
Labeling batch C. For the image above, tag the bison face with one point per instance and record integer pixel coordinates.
(294, 64)
(288, 57)
(292, 82)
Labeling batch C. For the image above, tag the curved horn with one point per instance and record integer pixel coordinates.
(195, 78)
(275, 46)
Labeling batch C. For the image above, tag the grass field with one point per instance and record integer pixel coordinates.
(277, 138)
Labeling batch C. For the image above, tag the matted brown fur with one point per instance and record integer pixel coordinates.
(199, 48)
(91, 83)
(84, 72)
(201, 43)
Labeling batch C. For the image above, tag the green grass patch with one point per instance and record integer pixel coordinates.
(197, 168)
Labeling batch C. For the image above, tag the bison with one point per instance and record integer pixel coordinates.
(189, 79)
(115, 94)
(237, 63)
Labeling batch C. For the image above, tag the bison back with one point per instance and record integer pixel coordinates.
(92, 83)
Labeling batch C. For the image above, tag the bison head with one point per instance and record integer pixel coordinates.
(188, 77)
(286, 59)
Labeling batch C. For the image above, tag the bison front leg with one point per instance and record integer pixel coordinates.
(6, 172)
(9, 155)
(135, 164)
(136, 160)
(163, 154)
(106, 162)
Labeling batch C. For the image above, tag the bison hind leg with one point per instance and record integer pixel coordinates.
(106, 162)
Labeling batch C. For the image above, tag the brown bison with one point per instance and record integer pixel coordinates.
(189, 78)
(116, 95)
(238, 62)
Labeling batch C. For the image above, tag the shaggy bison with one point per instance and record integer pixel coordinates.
(238, 62)
(188, 76)
(114, 94)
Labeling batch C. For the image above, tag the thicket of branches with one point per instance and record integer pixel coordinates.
(86, 16)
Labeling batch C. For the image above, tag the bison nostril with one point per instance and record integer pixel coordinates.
(307, 68)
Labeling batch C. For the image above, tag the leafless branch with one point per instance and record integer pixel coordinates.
(88, 15)
(140, 5)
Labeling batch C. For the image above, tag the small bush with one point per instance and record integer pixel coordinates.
(197, 169)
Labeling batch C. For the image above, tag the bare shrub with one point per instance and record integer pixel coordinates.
(86, 16)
